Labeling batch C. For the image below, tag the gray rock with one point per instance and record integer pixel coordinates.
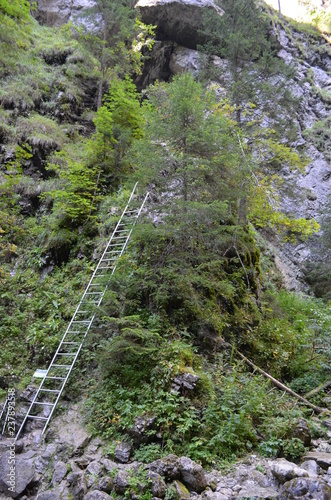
(258, 493)
(322, 459)
(121, 482)
(167, 467)
(17, 474)
(177, 20)
(97, 495)
(301, 430)
(143, 429)
(94, 468)
(311, 467)
(105, 484)
(158, 486)
(60, 471)
(77, 483)
(109, 465)
(181, 60)
(59, 12)
(185, 381)
(123, 452)
(298, 487)
(216, 495)
(47, 495)
(284, 470)
(156, 65)
(192, 474)
(181, 492)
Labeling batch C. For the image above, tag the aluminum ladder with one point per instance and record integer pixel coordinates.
(58, 372)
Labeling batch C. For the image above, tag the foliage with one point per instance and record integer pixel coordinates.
(18, 9)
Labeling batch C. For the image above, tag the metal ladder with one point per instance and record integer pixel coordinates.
(57, 374)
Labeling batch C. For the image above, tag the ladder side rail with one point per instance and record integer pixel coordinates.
(124, 246)
(2, 412)
(3, 408)
(62, 388)
(109, 241)
(5, 423)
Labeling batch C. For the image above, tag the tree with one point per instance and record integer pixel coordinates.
(242, 37)
(116, 40)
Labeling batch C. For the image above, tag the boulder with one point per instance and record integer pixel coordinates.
(216, 495)
(109, 465)
(17, 473)
(123, 452)
(311, 467)
(285, 471)
(300, 487)
(78, 486)
(167, 467)
(322, 459)
(105, 484)
(157, 485)
(143, 429)
(47, 495)
(301, 431)
(192, 474)
(180, 490)
(259, 493)
(177, 20)
(94, 468)
(97, 495)
(60, 471)
(121, 482)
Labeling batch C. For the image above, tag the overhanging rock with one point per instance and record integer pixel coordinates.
(177, 20)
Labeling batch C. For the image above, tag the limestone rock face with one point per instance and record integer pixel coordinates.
(177, 20)
(59, 12)
(183, 59)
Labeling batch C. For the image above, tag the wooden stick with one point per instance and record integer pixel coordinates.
(277, 382)
(318, 389)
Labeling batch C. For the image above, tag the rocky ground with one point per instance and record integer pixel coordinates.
(69, 464)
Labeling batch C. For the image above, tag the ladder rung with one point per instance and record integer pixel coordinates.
(38, 418)
(48, 390)
(61, 366)
(54, 378)
(93, 293)
(80, 321)
(70, 343)
(66, 354)
(41, 403)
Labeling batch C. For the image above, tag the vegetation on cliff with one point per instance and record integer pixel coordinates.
(197, 273)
